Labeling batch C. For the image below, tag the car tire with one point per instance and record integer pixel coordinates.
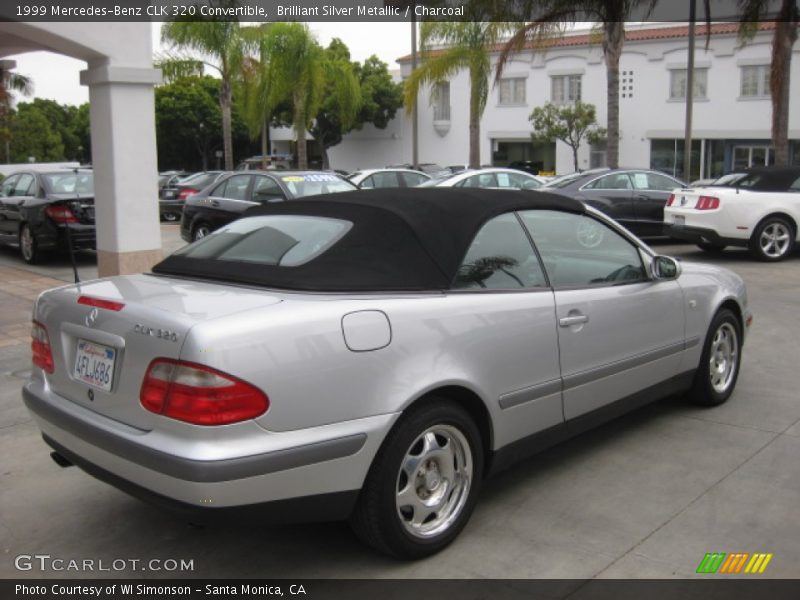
(28, 246)
(200, 231)
(773, 239)
(719, 364)
(711, 248)
(416, 514)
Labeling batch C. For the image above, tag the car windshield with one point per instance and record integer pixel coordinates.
(729, 179)
(282, 241)
(564, 180)
(434, 181)
(81, 182)
(199, 180)
(313, 184)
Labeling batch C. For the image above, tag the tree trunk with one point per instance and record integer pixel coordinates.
(575, 157)
(474, 125)
(300, 131)
(614, 38)
(323, 152)
(782, 42)
(264, 144)
(225, 100)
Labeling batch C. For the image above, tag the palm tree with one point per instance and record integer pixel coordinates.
(298, 70)
(255, 83)
(611, 14)
(753, 11)
(10, 81)
(465, 46)
(223, 49)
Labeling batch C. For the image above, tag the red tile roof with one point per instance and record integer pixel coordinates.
(636, 35)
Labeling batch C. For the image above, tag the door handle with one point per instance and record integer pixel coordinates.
(215, 203)
(573, 320)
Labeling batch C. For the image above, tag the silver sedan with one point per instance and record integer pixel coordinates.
(373, 355)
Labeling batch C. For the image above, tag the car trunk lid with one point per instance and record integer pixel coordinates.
(82, 207)
(105, 333)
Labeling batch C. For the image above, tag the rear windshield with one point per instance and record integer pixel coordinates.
(69, 183)
(280, 240)
(313, 184)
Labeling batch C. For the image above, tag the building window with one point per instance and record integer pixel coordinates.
(677, 83)
(441, 101)
(511, 91)
(755, 81)
(565, 89)
(597, 155)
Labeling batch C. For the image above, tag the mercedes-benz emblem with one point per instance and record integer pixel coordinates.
(91, 318)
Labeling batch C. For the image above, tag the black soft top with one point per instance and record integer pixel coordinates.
(771, 179)
(401, 240)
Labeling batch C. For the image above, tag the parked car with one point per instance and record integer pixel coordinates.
(634, 198)
(432, 169)
(387, 178)
(36, 208)
(172, 197)
(759, 211)
(169, 178)
(360, 356)
(492, 177)
(220, 204)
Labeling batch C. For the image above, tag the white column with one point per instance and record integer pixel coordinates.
(122, 112)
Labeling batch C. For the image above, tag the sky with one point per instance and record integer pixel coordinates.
(56, 77)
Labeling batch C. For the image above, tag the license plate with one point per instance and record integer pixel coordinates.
(679, 220)
(94, 364)
(169, 195)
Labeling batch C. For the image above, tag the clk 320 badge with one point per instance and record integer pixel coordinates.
(162, 334)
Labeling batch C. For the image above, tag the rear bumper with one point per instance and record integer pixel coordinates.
(171, 206)
(333, 459)
(699, 235)
(82, 237)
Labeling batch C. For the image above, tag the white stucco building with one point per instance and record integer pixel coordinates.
(732, 109)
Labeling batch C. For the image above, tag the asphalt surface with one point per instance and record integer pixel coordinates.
(646, 496)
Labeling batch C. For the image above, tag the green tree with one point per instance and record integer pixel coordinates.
(10, 82)
(571, 124)
(465, 46)
(296, 73)
(551, 16)
(222, 47)
(783, 39)
(33, 136)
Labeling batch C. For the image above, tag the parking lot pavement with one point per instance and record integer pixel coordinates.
(645, 496)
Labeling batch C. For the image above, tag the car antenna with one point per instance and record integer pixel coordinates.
(69, 234)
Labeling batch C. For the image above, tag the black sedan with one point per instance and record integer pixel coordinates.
(220, 204)
(171, 197)
(634, 198)
(38, 209)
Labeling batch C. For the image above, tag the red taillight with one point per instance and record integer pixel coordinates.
(707, 203)
(198, 394)
(671, 199)
(40, 347)
(186, 192)
(100, 303)
(60, 214)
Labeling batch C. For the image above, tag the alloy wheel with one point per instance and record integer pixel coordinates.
(723, 358)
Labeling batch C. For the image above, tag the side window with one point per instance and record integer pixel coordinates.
(653, 181)
(615, 181)
(413, 179)
(387, 179)
(482, 180)
(524, 183)
(8, 185)
(580, 251)
(24, 184)
(500, 257)
(236, 187)
(266, 190)
(368, 183)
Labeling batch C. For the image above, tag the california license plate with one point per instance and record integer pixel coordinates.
(679, 220)
(94, 364)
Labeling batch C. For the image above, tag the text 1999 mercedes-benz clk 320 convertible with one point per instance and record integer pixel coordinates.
(373, 355)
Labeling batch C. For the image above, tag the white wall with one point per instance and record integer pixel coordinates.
(649, 114)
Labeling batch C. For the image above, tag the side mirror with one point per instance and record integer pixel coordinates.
(664, 268)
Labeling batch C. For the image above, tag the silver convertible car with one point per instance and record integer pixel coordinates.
(373, 355)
